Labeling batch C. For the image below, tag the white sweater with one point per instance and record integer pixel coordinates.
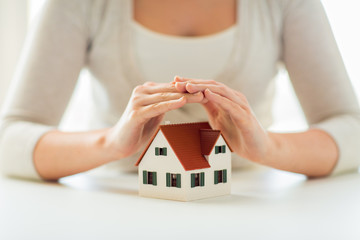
(97, 34)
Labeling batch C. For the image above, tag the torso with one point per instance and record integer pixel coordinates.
(250, 68)
(186, 17)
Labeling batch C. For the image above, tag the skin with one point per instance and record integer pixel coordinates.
(59, 154)
(313, 152)
(186, 17)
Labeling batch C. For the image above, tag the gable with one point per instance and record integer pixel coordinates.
(156, 162)
(220, 142)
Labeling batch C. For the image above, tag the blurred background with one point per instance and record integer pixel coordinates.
(17, 16)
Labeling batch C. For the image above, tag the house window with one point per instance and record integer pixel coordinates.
(220, 149)
(149, 178)
(197, 179)
(173, 180)
(160, 151)
(220, 176)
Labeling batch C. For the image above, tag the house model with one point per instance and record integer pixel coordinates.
(185, 162)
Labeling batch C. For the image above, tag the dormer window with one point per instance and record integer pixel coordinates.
(160, 151)
(220, 149)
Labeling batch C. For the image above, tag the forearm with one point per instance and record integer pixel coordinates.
(313, 153)
(59, 154)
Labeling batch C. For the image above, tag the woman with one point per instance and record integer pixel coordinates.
(134, 48)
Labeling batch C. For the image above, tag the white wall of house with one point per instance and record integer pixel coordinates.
(161, 165)
(170, 163)
(217, 162)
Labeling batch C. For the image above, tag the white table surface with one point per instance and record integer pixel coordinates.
(264, 204)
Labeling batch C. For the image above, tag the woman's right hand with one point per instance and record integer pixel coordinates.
(142, 116)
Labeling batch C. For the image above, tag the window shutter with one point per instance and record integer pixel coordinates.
(215, 177)
(202, 179)
(216, 149)
(224, 176)
(168, 179)
(193, 180)
(165, 151)
(144, 177)
(154, 178)
(223, 149)
(156, 151)
(178, 180)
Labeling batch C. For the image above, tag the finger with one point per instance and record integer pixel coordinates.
(148, 99)
(242, 97)
(159, 87)
(181, 87)
(220, 89)
(149, 84)
(157, 109)
(211, 108)
(234, 109)
(200, 87)
(193, 80)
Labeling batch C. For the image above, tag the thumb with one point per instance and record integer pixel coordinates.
(211, 109)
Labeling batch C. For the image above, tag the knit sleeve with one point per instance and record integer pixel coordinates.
(320, 80)
(53, 55)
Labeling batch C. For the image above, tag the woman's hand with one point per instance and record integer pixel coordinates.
(143, 114)
(229, 111)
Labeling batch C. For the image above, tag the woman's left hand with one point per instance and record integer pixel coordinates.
(229, 111)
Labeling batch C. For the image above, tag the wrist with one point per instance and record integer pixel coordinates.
(106, 145)
(273, 146)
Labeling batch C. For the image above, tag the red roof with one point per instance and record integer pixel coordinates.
(190, 142)
(208, 138)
